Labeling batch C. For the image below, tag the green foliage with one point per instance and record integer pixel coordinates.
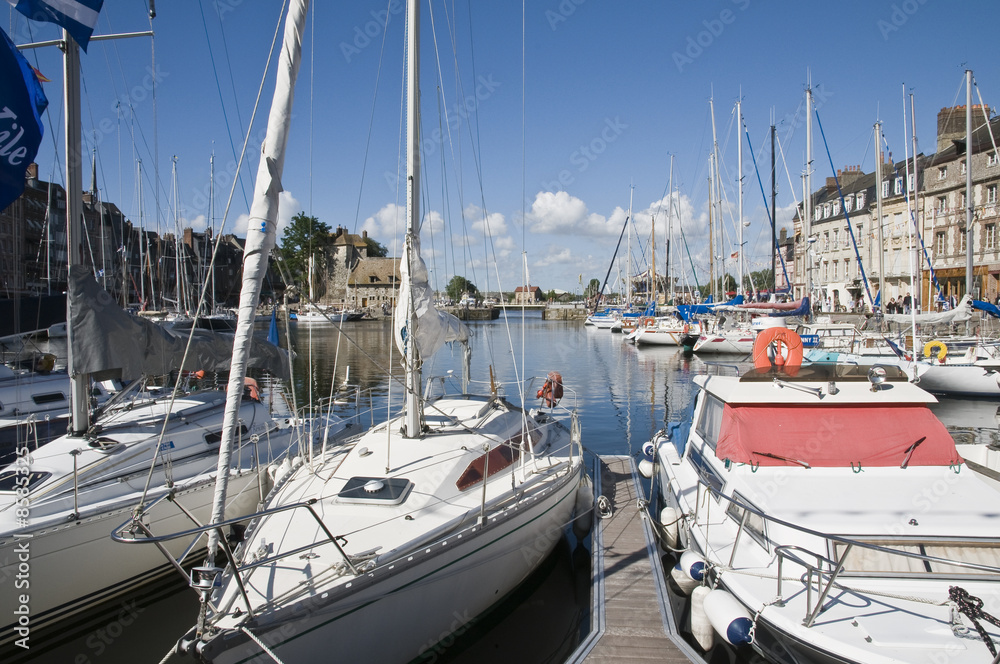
(593, 287)
(459, 286)
(551, 296)
(376, 249)
(303, 237)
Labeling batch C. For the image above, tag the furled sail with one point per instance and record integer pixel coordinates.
(961, 313)
(434, 327)
(107, 339)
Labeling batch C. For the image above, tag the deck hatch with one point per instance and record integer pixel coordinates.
(392, 490)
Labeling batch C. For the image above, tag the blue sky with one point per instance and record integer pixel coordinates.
(609, 91)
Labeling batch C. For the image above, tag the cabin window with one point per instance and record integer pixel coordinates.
(710, 420)
(497, 459)
(942, 173)
(991, 194)
(863, 562)
(51, 397)
(215, 437)
(755, 523)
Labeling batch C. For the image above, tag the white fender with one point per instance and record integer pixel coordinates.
(683, 581)
(649, 448)
(693, 565)
(646, 468)
(728, 617)
(701, 627)
(670, 522)
(283, 469)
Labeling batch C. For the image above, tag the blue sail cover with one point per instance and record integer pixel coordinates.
(689, 311)
(803, 310)
(991, 309)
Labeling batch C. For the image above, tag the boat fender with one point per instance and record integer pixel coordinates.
(296, 462)
(693, 565)
(728, 617)
(670, 525)
(942, 350)
(584, 514)
(701, 627)
(282, 469)
(649, 449)
(646, 468)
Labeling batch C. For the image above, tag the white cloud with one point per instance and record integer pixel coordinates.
(556, 256)
(560, 213)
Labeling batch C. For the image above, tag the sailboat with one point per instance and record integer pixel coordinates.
(437, 513)
(155, 450)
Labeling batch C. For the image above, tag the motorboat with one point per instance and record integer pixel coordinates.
(822, 513)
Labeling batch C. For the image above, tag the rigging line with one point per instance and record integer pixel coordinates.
(986, 119)
(225, 115)
(840, 193)
(524, 192)
(371, 121)
(312, 95)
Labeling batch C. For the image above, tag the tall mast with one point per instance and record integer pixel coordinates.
(711, 226)
(668, 289)
(917, 283)
(177, 235)
(412, 419)
(807, 195)
(878, 212)
(79, 397)
(211, 220)
(774, 215)
(628, 255)
(968, 182)
(716, 194)
(739, 184)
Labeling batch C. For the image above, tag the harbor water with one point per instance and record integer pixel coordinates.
(623, 394)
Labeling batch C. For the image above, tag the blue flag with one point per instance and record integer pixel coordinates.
(22, 103)
(78, 17)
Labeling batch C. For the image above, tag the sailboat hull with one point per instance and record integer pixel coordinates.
(74, 566)
(432, 594)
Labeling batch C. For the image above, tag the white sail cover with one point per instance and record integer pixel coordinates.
(961, 313)
(434, 327)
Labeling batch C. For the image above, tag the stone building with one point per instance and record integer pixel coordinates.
(345, 253)
(944, 206)
(528, 295)
(373, 284)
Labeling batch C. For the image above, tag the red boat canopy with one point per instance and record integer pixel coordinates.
(834, 436)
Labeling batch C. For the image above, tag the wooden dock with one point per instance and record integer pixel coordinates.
(631, 617)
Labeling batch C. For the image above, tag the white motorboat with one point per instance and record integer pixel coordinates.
(437, 513)
(737, 340)
(662, 331)
(604, 320)
(825, 515)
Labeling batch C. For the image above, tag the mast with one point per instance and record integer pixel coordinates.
(714, 192)
(917, 283)
(968, 183)
(211, 220)
(259, 243)
(807, 195)
(79, 396)
(878, 213)
(177, 236)
(711, 225)
(142, 249)
(412, 415)
(669, 286)
(628, 254)
(774, 216)
(739, 182)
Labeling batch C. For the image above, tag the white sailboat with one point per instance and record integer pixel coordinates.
(59, 504)
(437, 513)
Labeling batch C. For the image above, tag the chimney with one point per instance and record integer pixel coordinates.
(951, 123)
(364, 235)
(32, 174)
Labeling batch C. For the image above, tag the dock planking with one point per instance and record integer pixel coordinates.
(632, 620)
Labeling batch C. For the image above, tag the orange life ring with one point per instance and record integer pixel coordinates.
(781, 337)
(647, 321)
(552, 390)
(252, 390)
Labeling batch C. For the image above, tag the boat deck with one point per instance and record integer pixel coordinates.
(632, 619)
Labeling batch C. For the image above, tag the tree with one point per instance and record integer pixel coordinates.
(459, 286)
(593, 287)
(304, 237)
(376, 249)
